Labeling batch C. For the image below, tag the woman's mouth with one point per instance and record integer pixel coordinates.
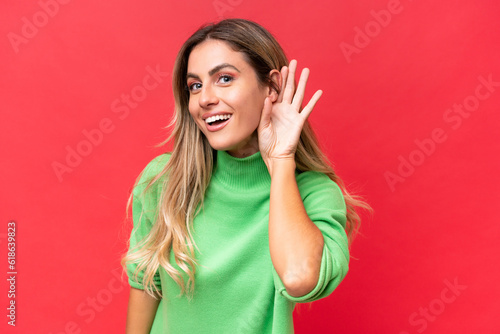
(215, 123)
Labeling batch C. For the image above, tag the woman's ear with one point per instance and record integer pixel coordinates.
(275, 76)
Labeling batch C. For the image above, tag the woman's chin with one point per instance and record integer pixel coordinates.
(242, 148)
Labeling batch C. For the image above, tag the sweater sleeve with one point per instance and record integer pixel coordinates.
(325, 205)
(144, 206)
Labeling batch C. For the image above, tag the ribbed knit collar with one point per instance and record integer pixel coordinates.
(242, 173)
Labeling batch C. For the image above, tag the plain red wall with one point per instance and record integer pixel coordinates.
(386, 119)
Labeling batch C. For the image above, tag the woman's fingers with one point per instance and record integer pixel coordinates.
(299, 94)
(265, 117)
(284, 74)
(289, 95)
(290, 82)
(310, 106)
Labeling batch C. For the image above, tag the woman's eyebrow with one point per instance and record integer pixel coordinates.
(212, 71)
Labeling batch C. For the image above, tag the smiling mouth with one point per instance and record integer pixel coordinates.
(216, 120)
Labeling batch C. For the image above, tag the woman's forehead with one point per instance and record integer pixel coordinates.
(211, 53)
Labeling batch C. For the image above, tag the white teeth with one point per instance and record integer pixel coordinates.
(217, 118)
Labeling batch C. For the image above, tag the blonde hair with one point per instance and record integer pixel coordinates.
(187, 174)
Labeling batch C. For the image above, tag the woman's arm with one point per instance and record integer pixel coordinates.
(141, 312)
(295, 242)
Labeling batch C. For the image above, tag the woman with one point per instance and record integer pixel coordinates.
(245, 206)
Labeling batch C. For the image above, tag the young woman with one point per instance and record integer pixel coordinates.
(245, 217)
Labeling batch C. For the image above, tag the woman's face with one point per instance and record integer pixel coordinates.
(223, 85)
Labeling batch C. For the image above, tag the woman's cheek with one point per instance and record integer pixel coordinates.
(192, 112)
(232, 97)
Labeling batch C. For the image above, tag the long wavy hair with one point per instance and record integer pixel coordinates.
(187, 173)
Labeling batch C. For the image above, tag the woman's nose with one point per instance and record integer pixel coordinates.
(207, 96)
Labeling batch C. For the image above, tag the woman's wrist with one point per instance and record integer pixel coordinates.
(281, 165)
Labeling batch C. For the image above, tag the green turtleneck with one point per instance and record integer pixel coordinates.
(237, 289)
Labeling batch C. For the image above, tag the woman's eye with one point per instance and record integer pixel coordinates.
(191, 87)
(225, 76)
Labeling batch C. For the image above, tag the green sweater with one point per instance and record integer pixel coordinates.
(237, 289)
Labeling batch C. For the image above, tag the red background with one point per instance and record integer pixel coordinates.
(432, 227)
